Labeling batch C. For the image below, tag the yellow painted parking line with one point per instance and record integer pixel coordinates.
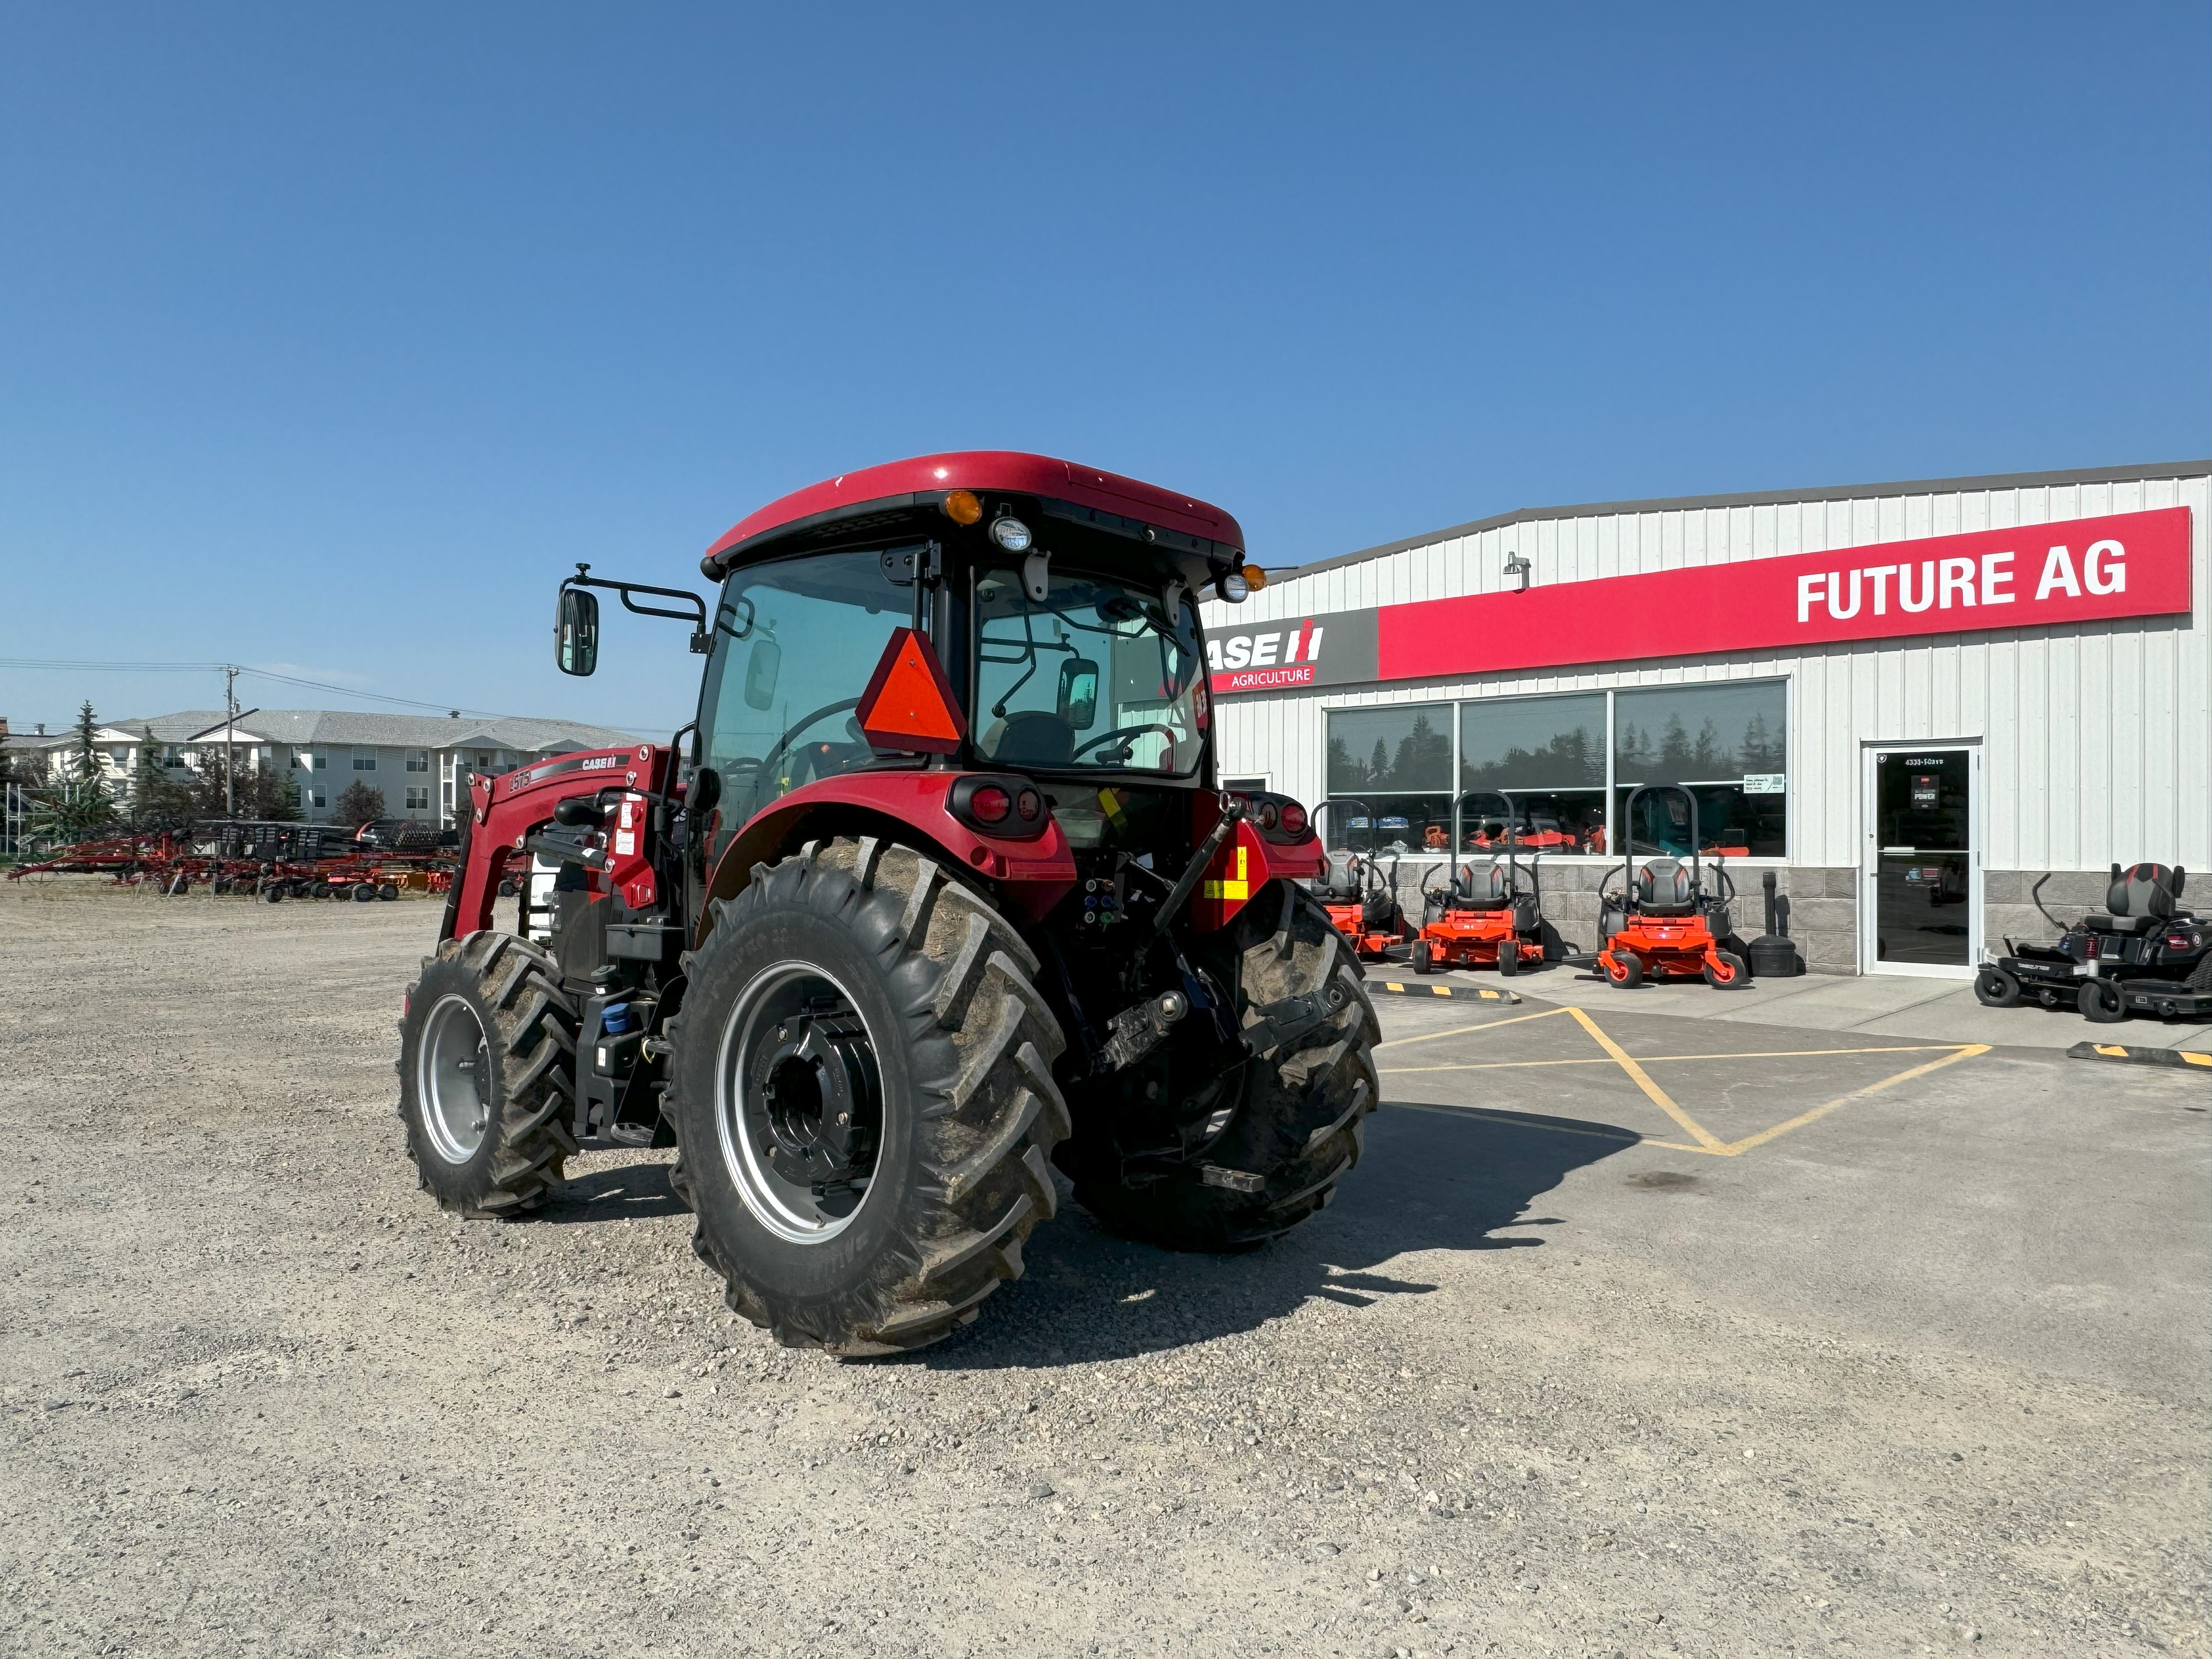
(1657, 1096)
(1706, 1142)
(1462, 1031)
(1737, 1147)
(1670, 1060)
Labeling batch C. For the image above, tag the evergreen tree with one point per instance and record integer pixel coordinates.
(87, 763)
(257, 793)
(76, 805)
(362, 802)
(158, 801)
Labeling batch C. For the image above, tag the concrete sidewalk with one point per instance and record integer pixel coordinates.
(1884, 1005)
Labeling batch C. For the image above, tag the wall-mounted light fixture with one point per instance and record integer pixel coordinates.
(1516, 572)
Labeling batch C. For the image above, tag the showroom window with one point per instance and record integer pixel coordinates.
(1389, 778)
(1537, 764)
(1728, 743)
(1543, 766)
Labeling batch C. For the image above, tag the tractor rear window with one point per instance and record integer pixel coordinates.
(795, 643)
(1095, 675)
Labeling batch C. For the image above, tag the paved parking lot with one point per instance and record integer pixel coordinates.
(2042, 1209)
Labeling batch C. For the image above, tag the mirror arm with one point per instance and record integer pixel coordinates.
(696, 616)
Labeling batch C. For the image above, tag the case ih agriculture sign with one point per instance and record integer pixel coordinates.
(2128, 564)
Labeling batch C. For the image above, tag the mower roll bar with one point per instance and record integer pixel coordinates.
(1628, 845)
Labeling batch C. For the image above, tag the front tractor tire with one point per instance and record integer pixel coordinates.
(861, 1089)
(1294, 1111)
(483, 1075)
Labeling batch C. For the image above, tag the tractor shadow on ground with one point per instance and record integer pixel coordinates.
(603, 1192)
(1430, 1180)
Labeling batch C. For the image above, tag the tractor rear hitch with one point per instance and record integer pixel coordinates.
(1286, 1022)
(1139, 1030)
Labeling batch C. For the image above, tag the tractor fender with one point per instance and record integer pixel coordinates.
(1033, 875)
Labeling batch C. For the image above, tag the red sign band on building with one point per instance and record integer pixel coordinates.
(2074, 570)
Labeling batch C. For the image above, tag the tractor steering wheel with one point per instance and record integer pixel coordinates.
(782, 744)
(1131, 733)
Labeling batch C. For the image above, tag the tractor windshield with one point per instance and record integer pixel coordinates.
(1095, 675)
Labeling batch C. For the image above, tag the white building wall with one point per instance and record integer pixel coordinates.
(2097, 739)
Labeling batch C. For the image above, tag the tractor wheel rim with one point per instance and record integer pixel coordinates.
(799, 1107)
(453, 1078)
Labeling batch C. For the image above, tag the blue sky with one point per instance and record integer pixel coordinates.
(330, 338)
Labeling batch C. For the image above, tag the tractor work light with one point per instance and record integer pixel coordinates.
(1011, 534)
(961, 507)
(1234, 588)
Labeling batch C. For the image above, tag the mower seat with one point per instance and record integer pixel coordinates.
(1488, 888)
(1339, 880)
(2140, 899)
(1662, 888)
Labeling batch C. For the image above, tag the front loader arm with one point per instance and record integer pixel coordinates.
(505, 810)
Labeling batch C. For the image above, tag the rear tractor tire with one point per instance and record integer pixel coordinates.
(484, 1075)
(863, 1099)
(1295, 1124)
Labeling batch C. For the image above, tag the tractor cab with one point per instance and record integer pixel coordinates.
(935, 893)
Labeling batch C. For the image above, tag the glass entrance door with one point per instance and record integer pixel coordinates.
(1922, 912)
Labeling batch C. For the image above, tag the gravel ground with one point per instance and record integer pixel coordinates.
(258, 1396)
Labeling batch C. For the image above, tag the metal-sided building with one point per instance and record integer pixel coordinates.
(1910, 700)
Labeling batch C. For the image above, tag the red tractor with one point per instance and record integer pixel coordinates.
(937, 894)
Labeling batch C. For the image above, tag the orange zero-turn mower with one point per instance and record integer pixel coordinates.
(1660, 924)
(1361, 901)
(1485, 916)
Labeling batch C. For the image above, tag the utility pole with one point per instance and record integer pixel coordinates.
(229, 746)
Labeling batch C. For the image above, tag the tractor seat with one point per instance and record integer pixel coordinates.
(1033, 736)
(2141, 898)
(1662, 888)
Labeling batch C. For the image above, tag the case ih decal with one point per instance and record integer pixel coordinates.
(2125, 564)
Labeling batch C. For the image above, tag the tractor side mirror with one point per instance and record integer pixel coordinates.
(703, 791)
(576, 632)
(1079, 693)
(762, 668)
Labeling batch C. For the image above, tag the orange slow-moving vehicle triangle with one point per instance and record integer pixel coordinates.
(909, 704)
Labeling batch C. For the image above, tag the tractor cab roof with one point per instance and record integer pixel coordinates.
(1106, 501)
